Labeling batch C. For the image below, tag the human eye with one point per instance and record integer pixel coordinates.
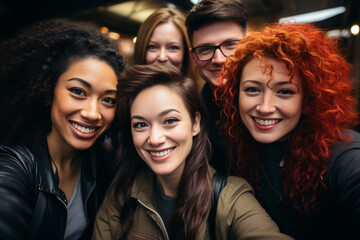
(77, 91)
(171, 121)
(286, 92)
(139, 125)
(109, 101)
(252, 90)
(174, 48)
(204, 50)
(151, 47)
(229, 45)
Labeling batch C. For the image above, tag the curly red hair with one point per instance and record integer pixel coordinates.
(328, 107)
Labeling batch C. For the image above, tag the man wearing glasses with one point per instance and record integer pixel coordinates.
(214, 28)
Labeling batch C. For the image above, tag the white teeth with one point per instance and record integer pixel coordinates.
(83, 129)
(266, 122)
(163, 153)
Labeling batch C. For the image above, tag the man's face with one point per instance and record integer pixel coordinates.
(214, 34)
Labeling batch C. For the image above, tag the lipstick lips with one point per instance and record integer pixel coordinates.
(265, 124)
(160, 156)
(83, 131)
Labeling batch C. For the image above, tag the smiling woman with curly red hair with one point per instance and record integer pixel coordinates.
(286, 102)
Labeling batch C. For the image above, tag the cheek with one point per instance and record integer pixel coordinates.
(59, 108)
(187, 137)
(245, 104)
(150, 57)
(292, 109)
(295, 117)
(139, 139)
(108, 116)
(177, 58)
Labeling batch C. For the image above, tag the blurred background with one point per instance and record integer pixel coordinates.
(121, 19)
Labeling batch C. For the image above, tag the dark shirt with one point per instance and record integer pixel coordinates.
(166, 205)
(219, 157)
(272, 195)
(337, 216)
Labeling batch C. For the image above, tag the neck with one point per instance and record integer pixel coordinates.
(169, 185)
(61, 154)
(272, 153)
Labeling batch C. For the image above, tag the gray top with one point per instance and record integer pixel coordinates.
(76, 221)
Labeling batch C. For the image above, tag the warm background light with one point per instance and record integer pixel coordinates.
(104, 30)
(114, 35)
(354, 29)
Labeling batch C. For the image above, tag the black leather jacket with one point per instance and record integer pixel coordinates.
(25, 172)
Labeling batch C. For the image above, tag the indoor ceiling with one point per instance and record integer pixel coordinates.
(126, 16)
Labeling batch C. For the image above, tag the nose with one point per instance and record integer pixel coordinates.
(218, 58)
(90, 110)
(267, 105)
(163, 56)
(156, 137)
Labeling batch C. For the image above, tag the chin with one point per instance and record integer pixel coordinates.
(83, 146)
(265, 139)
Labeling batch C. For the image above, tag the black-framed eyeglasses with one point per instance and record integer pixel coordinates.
(207, 52)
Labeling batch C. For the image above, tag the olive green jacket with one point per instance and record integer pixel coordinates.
(238, 216)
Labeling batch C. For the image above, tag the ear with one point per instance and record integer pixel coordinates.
(193, 58)
(196, 124)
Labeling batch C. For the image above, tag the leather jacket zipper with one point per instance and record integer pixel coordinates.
(86, 200)
(62, 201)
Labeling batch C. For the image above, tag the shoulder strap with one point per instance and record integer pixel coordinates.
(219, 182)
(37, 216)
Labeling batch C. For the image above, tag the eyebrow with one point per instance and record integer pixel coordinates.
(276, 83)
(89, 85)
(210, 44)
(163, 113)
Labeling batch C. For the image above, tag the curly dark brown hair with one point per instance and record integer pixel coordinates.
(30, 65)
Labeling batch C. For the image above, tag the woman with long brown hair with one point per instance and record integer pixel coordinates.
(162, 38)
(163, 189)
(287, 105)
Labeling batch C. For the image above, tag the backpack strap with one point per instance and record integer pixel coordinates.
(218, 182)
(37, 216)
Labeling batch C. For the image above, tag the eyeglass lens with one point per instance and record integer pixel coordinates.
(208, 52)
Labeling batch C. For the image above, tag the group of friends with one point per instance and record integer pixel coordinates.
(91, 148)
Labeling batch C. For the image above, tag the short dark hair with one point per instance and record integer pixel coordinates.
(210, 11)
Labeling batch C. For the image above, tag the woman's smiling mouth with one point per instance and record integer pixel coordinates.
(162, 153)
(83, 131)
(264, 122)
(160, 156)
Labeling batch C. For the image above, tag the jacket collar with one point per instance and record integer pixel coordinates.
(48, 181)
(143, 188)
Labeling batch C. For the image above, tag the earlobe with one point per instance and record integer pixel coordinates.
(196, 124)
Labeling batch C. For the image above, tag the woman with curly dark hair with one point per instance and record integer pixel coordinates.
(286, 98)
(58, 82)
(163, 188)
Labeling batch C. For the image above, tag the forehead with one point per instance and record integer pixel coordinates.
(95, 71)
(266, 69)
(156, 99)
(166, 27)
(217, 33)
